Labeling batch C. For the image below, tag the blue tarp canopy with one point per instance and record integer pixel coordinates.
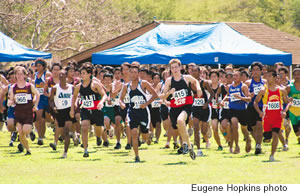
(200, 43)
(10, 51)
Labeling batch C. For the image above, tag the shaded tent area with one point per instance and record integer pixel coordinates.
(11, 51)
(199, 43)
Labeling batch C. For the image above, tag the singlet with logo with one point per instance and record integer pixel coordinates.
(182, 95)
(23, 99)
(235, 103)
(89, 98)
(40, 87)
(255, 87)
(273, 104)
(63, 98)
(137, 97)
(295, 108)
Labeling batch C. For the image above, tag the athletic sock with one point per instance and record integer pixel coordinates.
(168, 143)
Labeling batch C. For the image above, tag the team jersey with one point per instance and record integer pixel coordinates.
(295, 107)
(63, 98)
(182, 95)
(235, 103)
(89, 98)
(51, 83)
(137, 97)
(23, 98)
(255, 87)
(40, 87)
(273, 104)
(200, 101)
(214, 101)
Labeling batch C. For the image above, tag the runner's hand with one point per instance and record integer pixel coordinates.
(100, 106)
(55, 110)
(283, 114)
(261, 114)
(122, 105)
(34, 109)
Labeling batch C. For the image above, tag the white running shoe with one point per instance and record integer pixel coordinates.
(285, 148)
(199, 153)
(208, 145)
(64, 155)
(271, 159)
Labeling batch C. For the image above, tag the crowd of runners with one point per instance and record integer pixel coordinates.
(136, 102)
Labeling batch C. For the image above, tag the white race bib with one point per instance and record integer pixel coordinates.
(273, 105)
(109, 105)
(117, 101)
(155, 104)
(127, 99)
(199, 102)
(226, 105)
(233, 98)
(296, 103)
(87, 103)
(21, 98)
(256, 90)
(40, 90)
(214, 104)
(179, 101)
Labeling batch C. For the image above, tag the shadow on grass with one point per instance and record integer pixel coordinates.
(133, 162)
(175, 163)
(80, 152)
(119, 153)
(89, 159)
(294, 157)
(267, 161)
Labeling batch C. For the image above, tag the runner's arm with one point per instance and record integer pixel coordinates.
(167, 90)
(150, 89)
(123, 94)
(257, 100)
(36, 96)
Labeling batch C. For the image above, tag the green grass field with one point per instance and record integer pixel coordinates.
(106, 165)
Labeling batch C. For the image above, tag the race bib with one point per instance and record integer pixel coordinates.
(233, 98)
(87, 103)
(296, 103)
(117, 101)
(273, 105)
(226, 105)
(40, 90)
(127, 99)
(256, 90)
(155, 104)
(179, 101)
(199, 102)
(109, 105)
(214, 104)
(21, 98)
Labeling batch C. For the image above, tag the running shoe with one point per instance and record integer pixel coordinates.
(285, 148)
(185, 149)
(53, 146)
(271, 159)
(64, 155)
(32, 136)
(86, 154)
(11, 144)
(180, 150)
(220, 148)
(14, 136)
(137, 159)
(128, 147)
(106, 143)
(118, 146)
(236, 150)
(99, 141)
(176, 146)
(257, 149)
(155, 142)
(61, 139)
(28, 153)
(208, 144)
(192, 154)
(20, 148)
(40, 142)
(167, 146)
(199, 153)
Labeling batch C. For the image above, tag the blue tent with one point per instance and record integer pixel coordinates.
(10, 50)
(201, 44)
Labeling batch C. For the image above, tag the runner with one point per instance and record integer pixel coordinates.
(201, 110)
(60, 102)
(293, 91)
(254, 120)
(215, 85)
(155, 107)
(273, 111)
(238, 98)
(22, 96)
(181, 102)
(138, 112)
(39, 81)
(92, 100)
